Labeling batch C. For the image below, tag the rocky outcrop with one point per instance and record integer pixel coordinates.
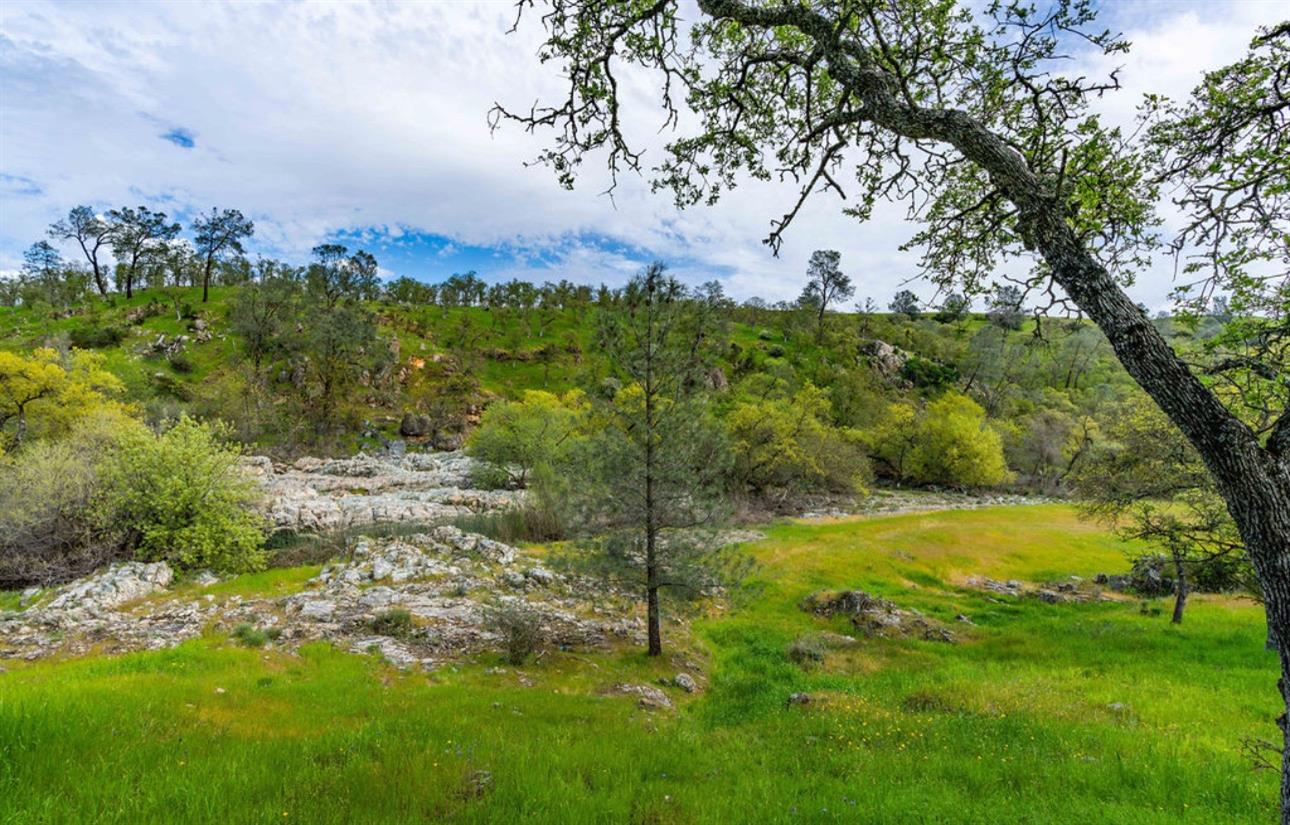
(1073, 589)
(115, 586)
(874, 616)
(448, 581)
(316, 494)
(886, 359)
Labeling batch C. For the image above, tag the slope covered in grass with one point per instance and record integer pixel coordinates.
(1090, 712)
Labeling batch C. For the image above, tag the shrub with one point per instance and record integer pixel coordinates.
(955, 445)
(520, 628)
(926, 374)
(179, 362)
(183, 499)
(396, 622)
(249, 635)
(95, 337)
(530, 521)
(806, 651)
(515, 439)
(788, 443)
(50, 531)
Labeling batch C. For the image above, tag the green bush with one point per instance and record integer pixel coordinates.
(396, 622)
(179, 362)
(249, 635)
(95, 337)
(520, 628)
(184, 500)
(806, 651)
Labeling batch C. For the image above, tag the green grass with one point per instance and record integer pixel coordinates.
(1042, 713)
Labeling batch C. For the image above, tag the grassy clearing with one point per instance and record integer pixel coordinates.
(1044, 713)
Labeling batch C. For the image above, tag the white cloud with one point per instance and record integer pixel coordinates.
(315, 118)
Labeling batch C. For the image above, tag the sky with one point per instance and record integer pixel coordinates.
(367, 124)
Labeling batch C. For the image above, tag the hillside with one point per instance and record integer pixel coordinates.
(446, 363)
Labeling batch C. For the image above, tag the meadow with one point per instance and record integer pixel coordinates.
(1045, 713)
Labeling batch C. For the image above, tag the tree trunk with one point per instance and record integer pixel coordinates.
(1180, 590)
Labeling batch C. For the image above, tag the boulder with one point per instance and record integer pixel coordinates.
(415, 425)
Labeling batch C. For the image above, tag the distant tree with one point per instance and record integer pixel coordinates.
(657, 461)
(215, 236)
(260, 314)
(1005, 307)
(46, 277)
(825, 285)
(136, 236)
(336, 347)
(338, 276)
(955, 307)
(905, 303)
(91, 233)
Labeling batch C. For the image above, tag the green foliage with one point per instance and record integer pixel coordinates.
(185, 500)
(95, 337)
(249, 635)
(926, 374)
(515, 439)
(396, 622)
(955, 445)
(44, 393)
(947, 442)
(520, 627)
(49, 492)
(789, 442)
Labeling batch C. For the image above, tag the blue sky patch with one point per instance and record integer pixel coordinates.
(182, 138)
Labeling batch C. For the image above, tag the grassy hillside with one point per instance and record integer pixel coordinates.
(451, 361)
(1092, 712)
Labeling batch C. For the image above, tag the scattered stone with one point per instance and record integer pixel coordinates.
(874, 616)
(648, 697)
(205, 578)
(798, 699)
(685, 682)
(318, 609)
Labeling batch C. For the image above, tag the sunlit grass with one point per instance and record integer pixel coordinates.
(1042, 713)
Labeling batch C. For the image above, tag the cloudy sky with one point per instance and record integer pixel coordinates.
(366, 123)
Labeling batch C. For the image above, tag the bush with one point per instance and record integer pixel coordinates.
(520, 628)
(788, 443)
(96, 337)
(516, 439)
(530, 521)
(180, 362)
(50, 531)
(955, 445)
(182, 498)
(806, 651)
(396, 622)
(249, 635)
